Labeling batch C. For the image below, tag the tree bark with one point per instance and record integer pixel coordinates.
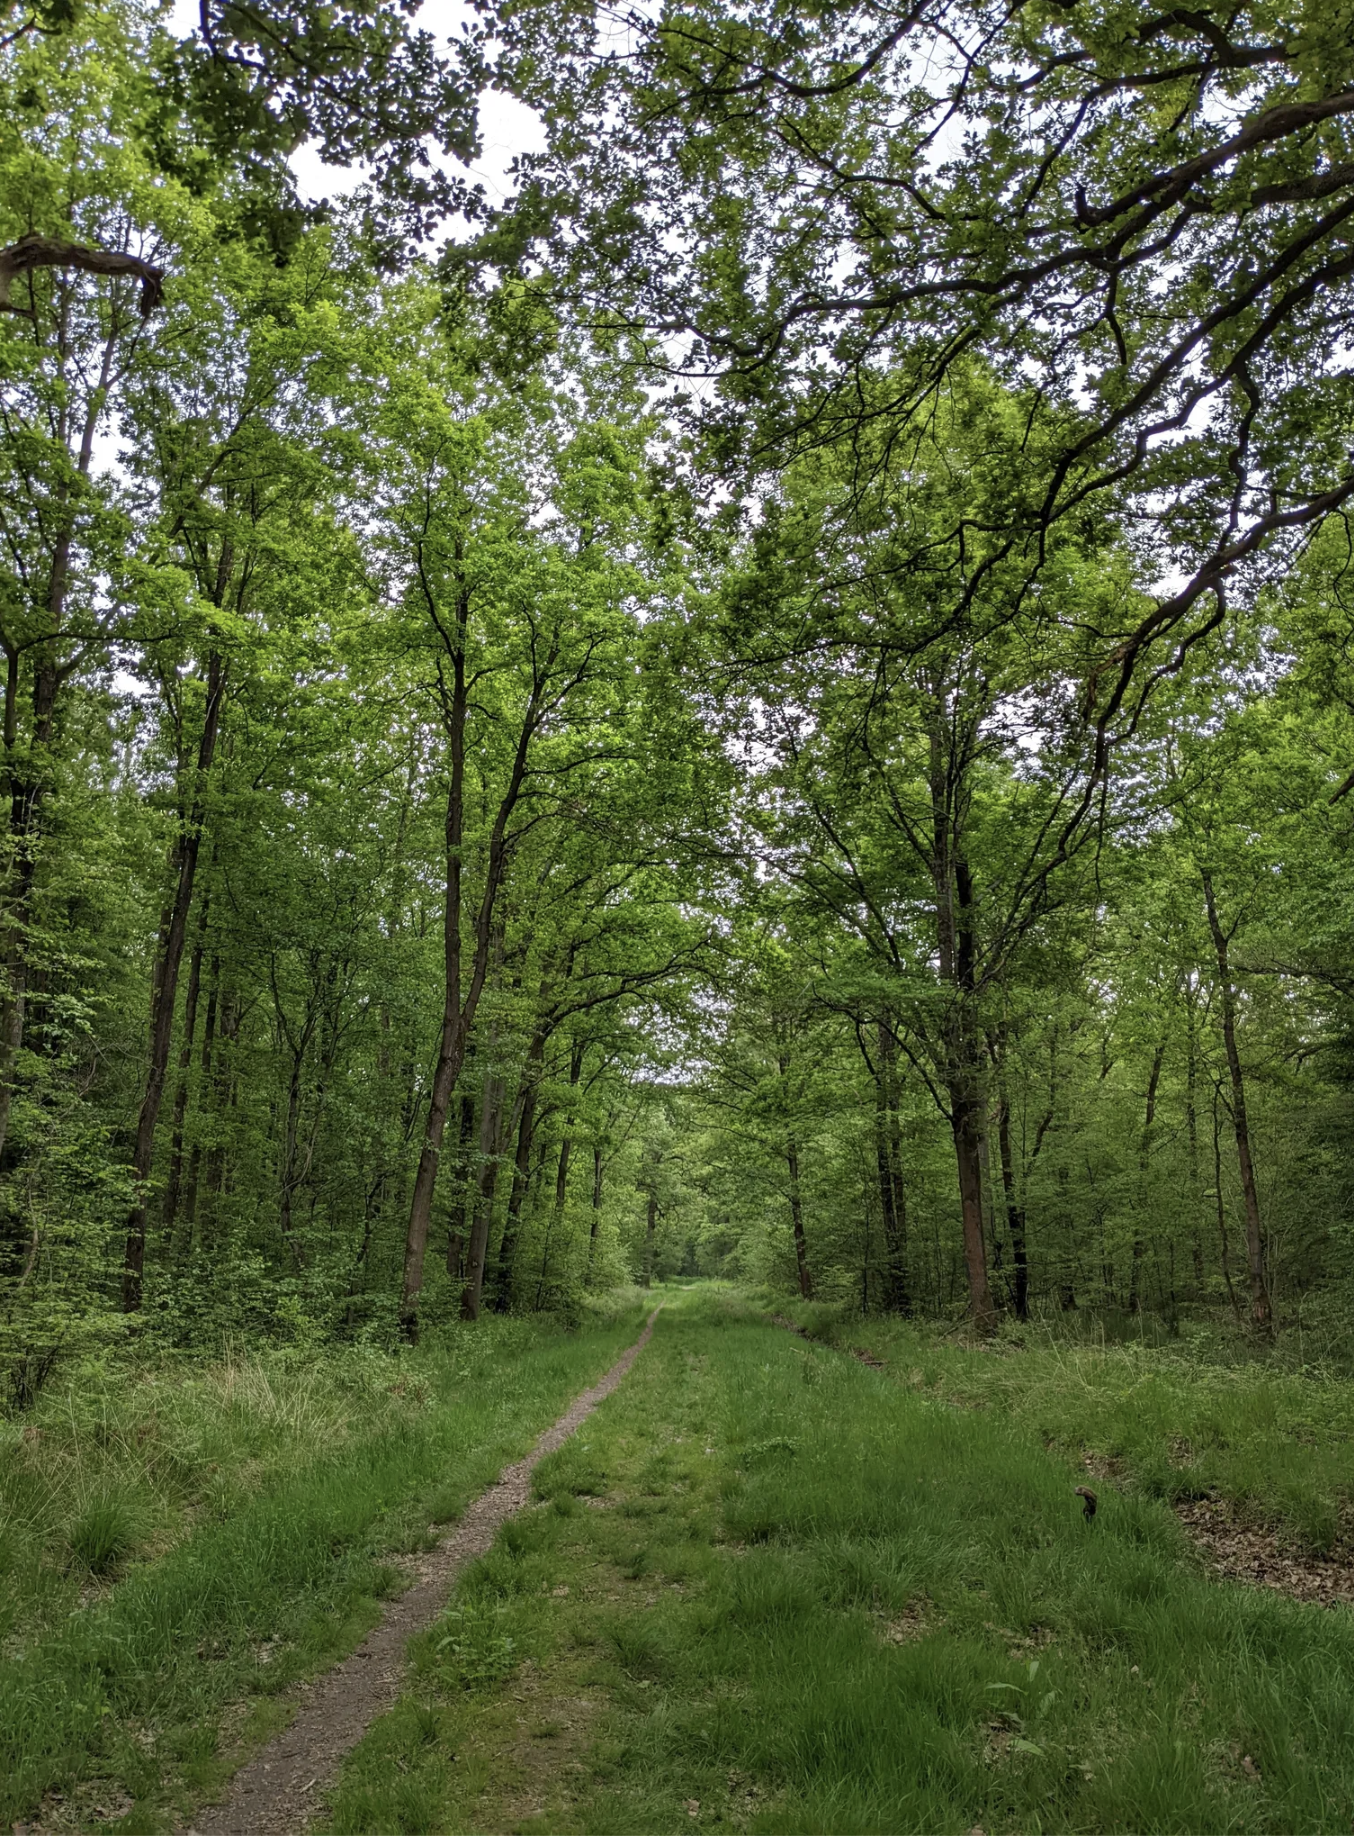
(205, 1089)
(165, 984)
(650, 1229)
(1192, 1136)
(797, 1220)
(521, 1174)
(966, 1107)
(27, 777)
(956, 939)
(451, 1043)
(1015, 1212)
(566, 1148)
(459, 1224)
(288, 1179)
(1261, 1311)
(486, 1186)
(1222, 1210)
(174, 1185)
(892, 1195)
(37, 251)
(225, 1091)
(596, 1205)
(1144, 1162)
(458, 1015)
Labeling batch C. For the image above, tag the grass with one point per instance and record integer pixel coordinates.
(104, 1532)
(1176, 1421)
(177, 1547)
(771, 1589)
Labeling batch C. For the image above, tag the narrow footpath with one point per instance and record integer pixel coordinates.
(277, 1791)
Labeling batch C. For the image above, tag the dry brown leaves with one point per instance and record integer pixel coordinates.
(1260, 1558)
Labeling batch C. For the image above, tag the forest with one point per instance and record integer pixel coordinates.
(760, 719)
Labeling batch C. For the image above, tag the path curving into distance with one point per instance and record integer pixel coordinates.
(278, 1791)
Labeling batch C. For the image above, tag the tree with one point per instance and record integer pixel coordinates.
(1144, 211)
(927, 764)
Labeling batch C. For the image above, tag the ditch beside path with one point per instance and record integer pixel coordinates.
(280, 1788)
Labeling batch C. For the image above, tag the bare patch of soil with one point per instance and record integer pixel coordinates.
(1260, 1558)
(918, 1619)
(277, 1791)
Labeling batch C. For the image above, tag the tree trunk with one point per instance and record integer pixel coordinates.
(486, 1184)
(228, 1033)
(650, 1228)
(1144, 1162)
(27, 779)
(1015, 1212)
(165, 985)
(1261, 1312)
(195, 1157)
(174, 1186)
(1192, 1136)
(596, 1205)
(458, 1016)
(991, 1235)
(892, 1194)
(566, 1149)
(1222, 1210)
(28, 791)
(957, 945)
(566, 1146)
(796, 1220)
(287, 1181)
(451, 1042)
(459, 1224)
(556, 1218)
(521, 1173)
(25, 797)
(966, 1108)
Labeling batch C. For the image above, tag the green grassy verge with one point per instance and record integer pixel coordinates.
(266, 1499)
(771, 1589)
(1278, 1443)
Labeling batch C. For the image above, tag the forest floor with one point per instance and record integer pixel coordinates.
(1257, 1459)
(774, 1589)
(768, 1587)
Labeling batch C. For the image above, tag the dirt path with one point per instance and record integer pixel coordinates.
(277, 1792)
